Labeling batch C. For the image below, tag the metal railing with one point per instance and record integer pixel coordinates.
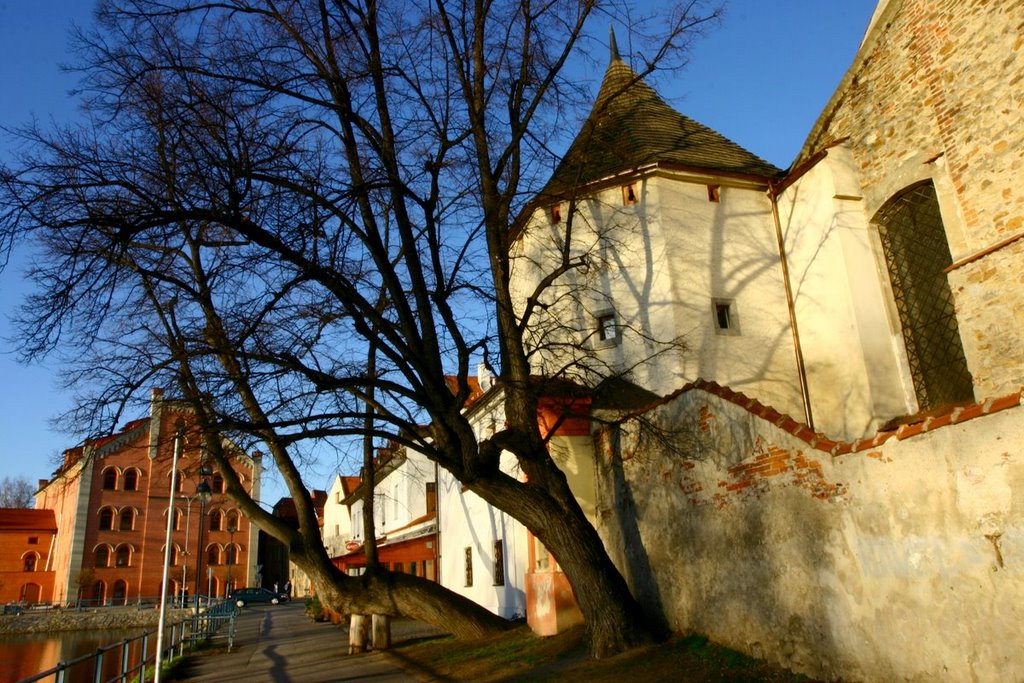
(135, 654)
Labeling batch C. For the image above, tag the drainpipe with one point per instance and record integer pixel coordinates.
(437, 523)
(801, 371)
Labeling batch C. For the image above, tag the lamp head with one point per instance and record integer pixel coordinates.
(203, 491)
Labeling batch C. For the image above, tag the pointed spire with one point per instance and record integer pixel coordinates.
(631, 126)
(613, 46)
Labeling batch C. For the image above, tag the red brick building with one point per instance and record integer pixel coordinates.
(26, 542)
(110, 498)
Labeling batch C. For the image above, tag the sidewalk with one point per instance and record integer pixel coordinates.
(281, 644)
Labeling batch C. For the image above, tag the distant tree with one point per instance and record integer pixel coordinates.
(16, 492)
(289, 211)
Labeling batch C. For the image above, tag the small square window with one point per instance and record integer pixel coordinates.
(629, 194)
(33, 540)
(606, 328)
(725, 317)
(556, 213)
(714, 193)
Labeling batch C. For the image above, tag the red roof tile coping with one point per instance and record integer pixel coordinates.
(820, 442)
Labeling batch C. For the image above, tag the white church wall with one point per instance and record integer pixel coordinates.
(662, 265)
(857, 374)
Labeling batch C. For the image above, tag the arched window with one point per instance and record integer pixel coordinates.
(177, 519)
(217, 484)
(232, 520)
(174, 555)
(99, 592)
(131, 480)
(917, 254)
(109, 479)
(103, 556)
(29, 561)
(123, 557)
(127, 519)
(120, 592)
(231, 555)
(106, 519)
(213, 555)
(216, 520)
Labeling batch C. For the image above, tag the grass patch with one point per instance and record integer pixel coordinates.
(522, 656)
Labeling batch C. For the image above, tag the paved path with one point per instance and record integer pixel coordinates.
(281, 644)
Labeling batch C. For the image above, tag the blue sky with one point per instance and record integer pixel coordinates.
(760, 78)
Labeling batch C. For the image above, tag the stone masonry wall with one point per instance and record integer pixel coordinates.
(937, 91)
(895, 557)
(98, 619)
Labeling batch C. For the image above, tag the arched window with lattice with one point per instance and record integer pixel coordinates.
(916, 254)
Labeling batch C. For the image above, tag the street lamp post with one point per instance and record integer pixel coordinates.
(179, 438)
(203, 494)
(185, 552)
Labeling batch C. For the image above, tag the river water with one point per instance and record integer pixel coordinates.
(25, 655)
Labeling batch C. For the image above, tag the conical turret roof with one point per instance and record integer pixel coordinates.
(631, 126)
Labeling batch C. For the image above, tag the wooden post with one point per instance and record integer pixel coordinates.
(381, 632)
(358, 633)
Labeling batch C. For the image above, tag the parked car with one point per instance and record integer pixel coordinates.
(245, 596)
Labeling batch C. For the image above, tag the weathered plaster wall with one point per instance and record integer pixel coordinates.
(897, 558)
(937, 92)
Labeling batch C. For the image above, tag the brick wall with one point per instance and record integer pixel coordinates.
(937, 92)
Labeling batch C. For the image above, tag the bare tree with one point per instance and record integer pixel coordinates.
(16, 492)
(268, 194)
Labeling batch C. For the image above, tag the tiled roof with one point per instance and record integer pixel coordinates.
(951, 415)
(475, 392)
(348, 485)
(26, 519)
(630, 127)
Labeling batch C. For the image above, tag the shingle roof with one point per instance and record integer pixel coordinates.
(26, 519)
(630, 126)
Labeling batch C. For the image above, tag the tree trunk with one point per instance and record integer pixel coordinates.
(396, 594)
(615, 621)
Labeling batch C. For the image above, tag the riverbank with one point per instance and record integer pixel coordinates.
(54, 620)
